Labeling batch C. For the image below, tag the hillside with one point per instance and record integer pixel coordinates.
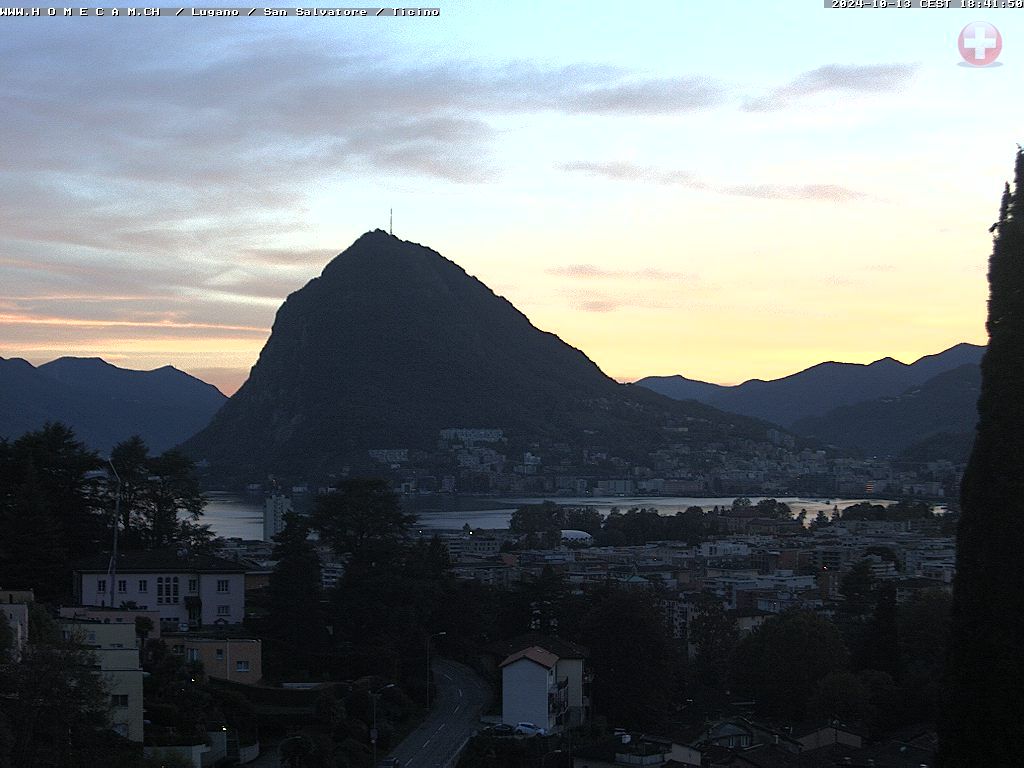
(939, 412)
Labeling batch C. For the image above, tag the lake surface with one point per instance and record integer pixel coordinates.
(233, 515)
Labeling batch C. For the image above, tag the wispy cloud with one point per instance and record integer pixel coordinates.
(651, 97)
(623, 171)
(835, 78)
(588, 271)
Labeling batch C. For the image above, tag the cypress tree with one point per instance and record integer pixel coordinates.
(982, 722)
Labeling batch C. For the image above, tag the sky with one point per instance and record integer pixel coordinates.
(722, 190)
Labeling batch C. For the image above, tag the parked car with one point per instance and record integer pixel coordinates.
(529, 729)
(500, 730)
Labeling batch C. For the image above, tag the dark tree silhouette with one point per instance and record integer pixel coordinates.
(982, 721)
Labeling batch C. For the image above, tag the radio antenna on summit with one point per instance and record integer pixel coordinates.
(391, 221)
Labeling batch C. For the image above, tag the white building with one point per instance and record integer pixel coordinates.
(274, 510)
(539, 687)
(185, 589)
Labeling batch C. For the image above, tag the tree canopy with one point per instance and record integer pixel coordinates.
(983, 717)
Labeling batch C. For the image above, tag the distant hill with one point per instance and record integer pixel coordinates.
(818, 389)
(104, 404)
(393, 343)
(933, 420)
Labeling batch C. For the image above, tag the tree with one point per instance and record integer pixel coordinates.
(537, 518)
(780, 663)
(772, 509)
(631, 655)
(160, 499)
(51, 509)
(982, 721)
(362, 514)
(54, 703)
(294, 595)
(713, 636)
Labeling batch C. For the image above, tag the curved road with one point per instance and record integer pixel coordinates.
(460, 698)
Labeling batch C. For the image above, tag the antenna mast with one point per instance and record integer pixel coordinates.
(391, 222)
(112, 568)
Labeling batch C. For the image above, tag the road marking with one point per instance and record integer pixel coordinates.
(432, 736)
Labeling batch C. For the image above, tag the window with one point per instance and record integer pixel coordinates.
(166, 589)
(122, 585)
(179, 650)
(193, 654)
(219, 654)
(241, 666)
(101, 585)
(193, 586)
(223, 610)
(143, 585)
(119, 700)
(222, 585)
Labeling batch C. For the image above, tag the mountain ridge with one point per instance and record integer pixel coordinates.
(103, 403)
(818, 389)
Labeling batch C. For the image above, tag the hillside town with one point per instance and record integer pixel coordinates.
(485, 461)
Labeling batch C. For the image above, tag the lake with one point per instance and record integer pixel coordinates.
(235, 516)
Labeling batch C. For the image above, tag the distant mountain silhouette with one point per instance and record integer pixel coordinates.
(104, 404)
(933, 420)
(816, 390)
(393, 343)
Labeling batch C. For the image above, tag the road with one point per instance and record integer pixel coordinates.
(460, 697)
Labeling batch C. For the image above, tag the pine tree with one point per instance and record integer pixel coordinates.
(983, 714)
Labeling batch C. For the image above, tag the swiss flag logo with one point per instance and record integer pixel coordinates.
(980, 43)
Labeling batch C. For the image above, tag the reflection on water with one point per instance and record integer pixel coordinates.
(231, 515)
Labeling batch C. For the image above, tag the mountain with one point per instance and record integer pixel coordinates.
(104, 404)
(818, 389)
(393, 343)
(940, 413)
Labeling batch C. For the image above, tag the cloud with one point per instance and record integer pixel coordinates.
(831, 192)
(651, 97)
(587, 271)
(623, 171)
(835, 78)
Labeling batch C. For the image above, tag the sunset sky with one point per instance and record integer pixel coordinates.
(724, 190)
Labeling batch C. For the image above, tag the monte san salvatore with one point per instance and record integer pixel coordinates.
(394, 343)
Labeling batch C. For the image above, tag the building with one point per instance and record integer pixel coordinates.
(275, 508)
(117, 661)
(126, 616)
(185, 589)
(540, 687)
(225, 657)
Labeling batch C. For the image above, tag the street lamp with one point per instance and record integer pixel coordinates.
(374, 695)
(429, 638)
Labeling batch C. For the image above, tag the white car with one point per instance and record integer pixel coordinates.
(529, 729)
